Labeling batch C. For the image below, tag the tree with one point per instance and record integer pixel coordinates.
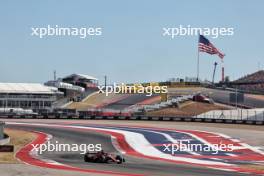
(227, 79)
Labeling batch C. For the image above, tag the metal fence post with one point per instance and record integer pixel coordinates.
(241, 113)
(247, 113)
(2, 130)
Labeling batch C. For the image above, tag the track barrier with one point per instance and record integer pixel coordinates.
(150, 118)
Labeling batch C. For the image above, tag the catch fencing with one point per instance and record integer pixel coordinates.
(235, 114)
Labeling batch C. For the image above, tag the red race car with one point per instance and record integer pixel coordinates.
(103, 157)
(202, 98)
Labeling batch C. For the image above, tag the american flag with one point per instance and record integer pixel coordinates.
(206, 46)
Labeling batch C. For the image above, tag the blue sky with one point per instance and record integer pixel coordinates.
(132, 48)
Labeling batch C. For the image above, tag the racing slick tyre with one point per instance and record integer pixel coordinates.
(119, 159)
(86, 158)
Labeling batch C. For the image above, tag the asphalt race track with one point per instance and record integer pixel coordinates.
(128, 101)
(133, 165)
(222, 96)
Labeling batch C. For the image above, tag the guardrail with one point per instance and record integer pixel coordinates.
(147, 118)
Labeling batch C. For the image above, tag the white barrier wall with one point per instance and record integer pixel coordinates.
(235, 114)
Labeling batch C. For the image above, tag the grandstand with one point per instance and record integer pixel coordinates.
(257, 77)
(27, 96)
(75, 87)
(70, 92)
(81, 80)
(252, 83)
(62, 85)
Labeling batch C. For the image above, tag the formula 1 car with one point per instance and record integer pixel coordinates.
(103, 157)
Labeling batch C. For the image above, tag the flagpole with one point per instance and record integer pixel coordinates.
(223, 70)
(198, 60)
